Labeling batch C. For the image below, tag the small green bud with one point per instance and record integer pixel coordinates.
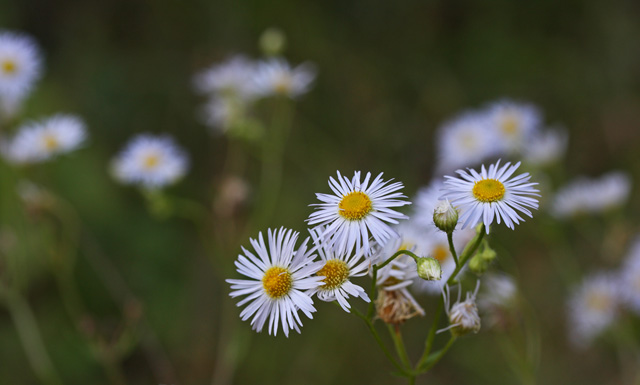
(482, 260)
(445, 216)
(429, 269)
(272, 42)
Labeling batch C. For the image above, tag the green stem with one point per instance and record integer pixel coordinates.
(452, 249)
(396, 336)
(467, 254)
(376, 336)
(272, 156)
(29, 334)
(434, 360)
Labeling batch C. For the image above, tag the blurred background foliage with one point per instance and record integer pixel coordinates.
(389, 74)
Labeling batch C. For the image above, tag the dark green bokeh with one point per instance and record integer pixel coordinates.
(389, 73)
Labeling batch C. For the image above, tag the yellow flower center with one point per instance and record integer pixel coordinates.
(510, 125)
(440, 252)
(277, 282)
(335, 272)
(468, 141)
(355, 206)
(598, 301)
(50, 142)
(9, 67)
(151, 161)
(488, 190)
(282, 85)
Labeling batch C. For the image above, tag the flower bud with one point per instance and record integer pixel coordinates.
(429, 269)
(445, 216)
(482, 260)
(272, 42)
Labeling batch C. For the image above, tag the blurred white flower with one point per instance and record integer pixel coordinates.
(231, 78)
(279, 278)
(277, 77)
(150, 161)
(494, 194)
(545, 148)
(40, 141)
(514, 123)
(585, 195)
(357, 211)
(498, 297)
(336, 271)
(630, 278)
(20, 67)
(220, 113)
(592, 308)
(465, 141)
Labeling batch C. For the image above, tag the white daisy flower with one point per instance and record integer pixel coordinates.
(514, 123)
(463, 316)
(484, 196)
(231, 78)
(545, 148)
(279, 277)
(40, 141)
(150, 161)
(277, 77)
(585, 195)
(630, 279)
(592, 308)
(336, 271)
(358, 211)
(466, 140)
(20, 65)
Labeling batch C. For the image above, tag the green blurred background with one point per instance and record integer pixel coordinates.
(389, 74)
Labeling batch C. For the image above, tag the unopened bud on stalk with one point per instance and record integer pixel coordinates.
(482, 260)
(429, 269)
(272, 42)
(445, 216)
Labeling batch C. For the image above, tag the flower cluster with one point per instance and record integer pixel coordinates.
(501, 128)
(357, 230)
(34, 141)
(234, 85)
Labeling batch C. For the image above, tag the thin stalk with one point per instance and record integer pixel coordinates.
(438, 355)
(31, 339)
(396, 336)
(376, 336)
(452, 249)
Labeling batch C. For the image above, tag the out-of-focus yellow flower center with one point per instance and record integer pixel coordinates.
(468, 141)
(50, 142)
(598, 301)
(277, 282)
(151, 161)
(488, 190)
(510, 125)
(440, 252)
(282, 85)
(335, 273)
(355, 206)
(9, 67)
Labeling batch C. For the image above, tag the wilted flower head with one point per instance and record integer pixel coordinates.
(592, 195)
(592, 307)
(20, 65)
(463, 316)
(276, 77)
(40, 141)
(150, 161)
